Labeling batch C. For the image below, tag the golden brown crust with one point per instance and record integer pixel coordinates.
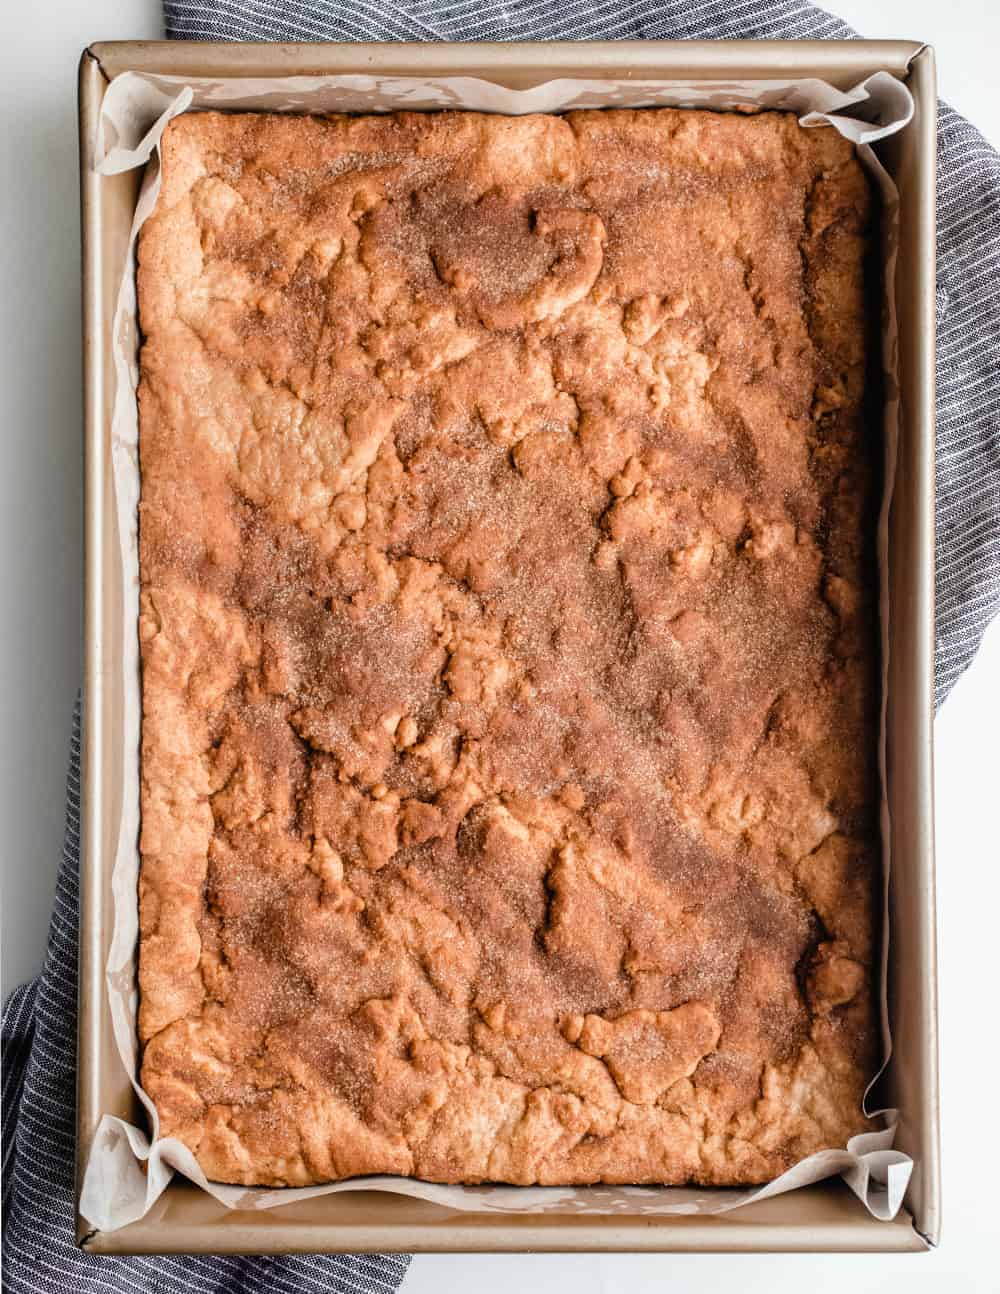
(506, 626)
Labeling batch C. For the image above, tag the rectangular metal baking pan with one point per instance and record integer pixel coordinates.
(824, 1217)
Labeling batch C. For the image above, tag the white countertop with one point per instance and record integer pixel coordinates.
(41, 517)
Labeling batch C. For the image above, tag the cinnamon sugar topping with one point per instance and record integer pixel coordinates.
(507, 633)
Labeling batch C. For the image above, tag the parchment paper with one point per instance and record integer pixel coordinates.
(126, 1170)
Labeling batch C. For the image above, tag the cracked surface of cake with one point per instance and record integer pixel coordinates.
(509, 690)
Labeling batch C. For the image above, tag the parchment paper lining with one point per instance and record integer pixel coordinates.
(126, 1171)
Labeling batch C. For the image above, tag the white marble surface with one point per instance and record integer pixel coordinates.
(41, 520)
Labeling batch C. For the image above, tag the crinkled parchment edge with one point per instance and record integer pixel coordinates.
(126, 1170)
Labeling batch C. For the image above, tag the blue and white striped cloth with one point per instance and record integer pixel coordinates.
(39, 1020)
(39, 1056)
(968, 285)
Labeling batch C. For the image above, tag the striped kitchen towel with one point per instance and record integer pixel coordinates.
(968, 286)
(39, 1077)
(39, 1019)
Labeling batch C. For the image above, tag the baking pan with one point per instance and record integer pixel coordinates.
(825, 1217)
